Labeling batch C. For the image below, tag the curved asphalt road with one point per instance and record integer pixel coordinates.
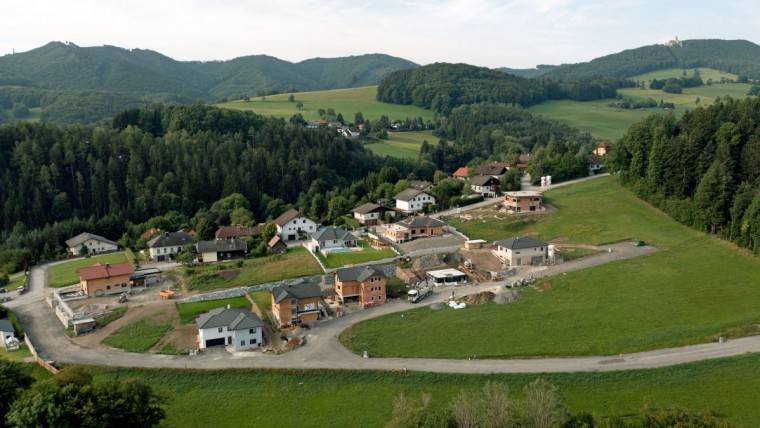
(324, 351)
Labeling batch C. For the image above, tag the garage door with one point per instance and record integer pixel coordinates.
(536, 260)
(214, 342)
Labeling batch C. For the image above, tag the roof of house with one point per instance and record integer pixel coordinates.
(420, 185)
(421, 221)
(408, 194)
(369, 207)
(604, 144)
(108, 270)
(490, 169)
(234, 318)
(219, 245)
(524, 194)
(149, 233)
(595, 160)
(520, 242)
(483, 180)
(288, 215)
(524, 158)
(462, 172)
(82, 237)
(357, 273)
(236, 231)
(333, 234)
(275, 240)
(298, 289)
(6, 326)
(172, 239)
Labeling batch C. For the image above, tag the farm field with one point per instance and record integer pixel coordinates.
(337, 260)
(346, 398)
(344, 101)
(697, 289)
(297, 262)
(66, 273)
(402, 144)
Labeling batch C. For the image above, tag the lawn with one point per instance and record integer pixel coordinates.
(402, 144)
(66, 273)
(189, 311)
(347, 398)
(344, 101)
(695, 290)
(263, 300)
(15, 282)
(139, 336)
(369, 254)
(297, 262)
(18, 356)
(115, 314)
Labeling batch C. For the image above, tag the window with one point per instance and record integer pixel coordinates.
(108, 287)
(252, 342)
(228, 328)
(251, 331)
(304, 221)
(372, 298)
(220, 329)
(123, 285)
(242, 343)
(379, 298)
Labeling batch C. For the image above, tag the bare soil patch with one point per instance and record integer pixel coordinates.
(478, 299)
(229, 274)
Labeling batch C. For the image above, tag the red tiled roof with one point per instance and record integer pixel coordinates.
(462, 172)
(105, 270)
(149, 233)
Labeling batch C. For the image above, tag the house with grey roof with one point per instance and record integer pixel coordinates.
(292, 224)
(235, 327)
(485, 185)
(94, 244)
(296, 302)
(521, 251)
(370, 214)
(7, 334)
(166, 245)
(413, 200)
(363, 284)
(332, 237)
(220, 250)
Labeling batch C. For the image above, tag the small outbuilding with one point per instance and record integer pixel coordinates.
(447, 277)
(7, 333)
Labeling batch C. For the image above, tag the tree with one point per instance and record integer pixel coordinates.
(339, 118)
(299, 105)
(270, 229)
(358, 118)
(543, 405)
(464, 410)
(20, 110)
(13, 380)
(409, 413)
(291, 98)
(4, 280)
(511, 180)
(188, 255)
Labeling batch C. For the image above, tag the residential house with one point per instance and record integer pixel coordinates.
(462, 173)
(349, 133)
(276, 245)
(7, 333)
(521, 251)
(370, 214)
(493, 169)
(221, 249)
(525, 201)
(230, 326)
(414, 227)
(236, 231)
(149, 233)
(522, 160)
(595, 164)
(296, 302)
(314, 124)
(291, 224)
(332, 237)
(166, 245)
(412, 201)
(363, 284)
(602, 148)
(94, 244)
(486, 185)
(421, 185)
(110, 278)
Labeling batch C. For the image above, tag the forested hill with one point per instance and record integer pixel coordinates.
(703, 169)
(442, 87)
(733, 56)
(540, 70)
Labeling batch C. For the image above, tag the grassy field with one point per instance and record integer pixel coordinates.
(189, 311)
(697, 289)
(139, 336)
(66, 273)
(297, 262)
(344, 101)
(18, 356)
(345, 398)
(116, 313)
(336, 260)
(402, 144)
(15, 283)
(705, 73)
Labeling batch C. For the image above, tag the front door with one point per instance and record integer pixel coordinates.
(229, 340)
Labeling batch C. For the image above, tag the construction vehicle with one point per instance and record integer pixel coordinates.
(123, 298)
(421, 291)
(166, 294)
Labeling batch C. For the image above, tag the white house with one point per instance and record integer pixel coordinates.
(332, 237)
(413, 200)
(230, 326)
(291, 224)
(164, 246)
(521, 251)
(94, 243)
(370, 214)
(7, 333)
(485, 185)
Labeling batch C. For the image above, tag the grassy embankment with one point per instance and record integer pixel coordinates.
(66, 273)
(189, 311)
(696, 289)
(368, 254)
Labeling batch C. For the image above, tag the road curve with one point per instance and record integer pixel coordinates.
(323, 351)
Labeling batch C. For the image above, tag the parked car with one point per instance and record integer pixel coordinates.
(21, 289)
(3, 290)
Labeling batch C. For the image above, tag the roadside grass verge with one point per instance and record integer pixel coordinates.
(698, 288)
(189, 311)
(368, 254)
(297, 262)
(66, 273)
(115, 314)
(365, 398)
(139, 336)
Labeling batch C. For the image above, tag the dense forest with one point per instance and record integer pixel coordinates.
(733, 56)
(702, 169)
(442, 87)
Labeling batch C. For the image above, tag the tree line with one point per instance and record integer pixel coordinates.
(702, 169)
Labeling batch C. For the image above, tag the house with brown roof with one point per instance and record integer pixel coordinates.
(462, 173)
(493, 169)
(149, 233)
(486, 185)
(370, 214)
(237, 231)
(292, 224)
(524, 201)
(411, 201)
(363, 284)
(595, 164)
(110, 278)
(276, 245)
(221, 250)
(602, 148)
(414, 227)
(296, 302)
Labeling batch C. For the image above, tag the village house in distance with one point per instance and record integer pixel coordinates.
(88, 243)
(291, 225)
(110, 278)
(521, 251)
(524, 201)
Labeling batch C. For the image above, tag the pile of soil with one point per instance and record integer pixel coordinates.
(406, 275)
(508, 296)
(478, 299)
(229, 274)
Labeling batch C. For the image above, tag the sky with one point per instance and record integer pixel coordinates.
(489, 33)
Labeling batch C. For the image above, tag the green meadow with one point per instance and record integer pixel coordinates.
(402, 144)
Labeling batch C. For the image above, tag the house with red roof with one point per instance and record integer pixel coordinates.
(462, 173)
(110, 278)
